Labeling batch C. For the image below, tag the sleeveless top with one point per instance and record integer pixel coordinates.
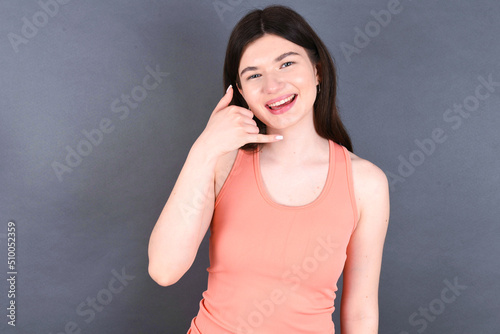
(274, 268)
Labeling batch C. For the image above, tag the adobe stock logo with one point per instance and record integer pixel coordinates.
(436, 307)
(119, 106)
(455, 117)
(97, 303)
(291, 279)
(225, 6)
(40, 19)
(203, 193)
(372, 29)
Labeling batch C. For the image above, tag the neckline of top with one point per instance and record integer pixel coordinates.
(324, 191)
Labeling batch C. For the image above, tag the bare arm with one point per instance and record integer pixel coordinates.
(186, 216)
(184, 219)
(359, 304)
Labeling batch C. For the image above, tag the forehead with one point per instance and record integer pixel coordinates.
(266, 49)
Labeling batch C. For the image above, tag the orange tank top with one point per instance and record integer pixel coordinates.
(274, 268)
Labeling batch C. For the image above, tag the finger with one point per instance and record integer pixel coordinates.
(250, 121)
(246, 112)
(260, 138)
(225, 100)
(252, 129)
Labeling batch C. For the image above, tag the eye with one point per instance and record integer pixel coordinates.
(253, 76)
(288, 63)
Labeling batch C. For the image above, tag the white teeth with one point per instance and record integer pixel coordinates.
(276, 104)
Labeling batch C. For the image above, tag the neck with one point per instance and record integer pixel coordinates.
(297, 146)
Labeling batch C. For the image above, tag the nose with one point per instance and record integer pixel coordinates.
(272, 83)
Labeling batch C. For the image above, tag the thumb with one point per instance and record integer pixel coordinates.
(225, 100)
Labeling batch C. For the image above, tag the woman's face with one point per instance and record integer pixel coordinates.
(278, 81)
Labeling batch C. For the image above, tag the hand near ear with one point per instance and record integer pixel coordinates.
(231, 127)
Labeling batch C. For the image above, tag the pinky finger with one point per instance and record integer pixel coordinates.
(260, 138)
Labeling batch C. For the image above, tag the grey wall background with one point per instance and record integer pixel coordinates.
(82, 232)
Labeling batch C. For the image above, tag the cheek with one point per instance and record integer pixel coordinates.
(250, 94)
(306, 79)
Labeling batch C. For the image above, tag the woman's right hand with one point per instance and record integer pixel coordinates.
(230, 127)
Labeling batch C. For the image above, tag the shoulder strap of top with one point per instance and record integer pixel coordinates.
(240, 156)
(350, 185)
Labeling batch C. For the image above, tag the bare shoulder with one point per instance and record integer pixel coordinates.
(371, 186)
(369, 174)
(222, 169)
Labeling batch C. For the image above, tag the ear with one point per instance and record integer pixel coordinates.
(239, 88)
(317, 70)
(241, 93)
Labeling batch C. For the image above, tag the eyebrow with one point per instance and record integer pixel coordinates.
(283, 56)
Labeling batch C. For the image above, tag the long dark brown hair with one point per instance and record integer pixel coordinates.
(286, 23)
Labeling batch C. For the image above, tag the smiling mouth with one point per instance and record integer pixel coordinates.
(283, 103)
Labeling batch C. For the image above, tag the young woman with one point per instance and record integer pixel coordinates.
(288, 204)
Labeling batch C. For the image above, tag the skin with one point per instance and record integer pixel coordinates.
(300, 155)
